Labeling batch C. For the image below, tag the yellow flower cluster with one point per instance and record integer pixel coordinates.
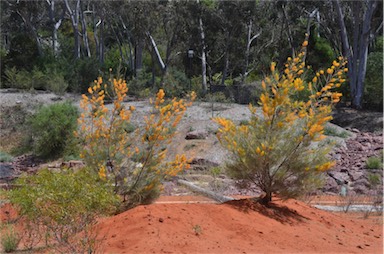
(324, 83)
(101, 127)
(160, 128)
(106, 141)
(282, 109)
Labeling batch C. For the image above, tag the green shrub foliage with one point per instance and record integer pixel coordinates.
(52, 128)
(63, 204)
(280, 150)
(10, 239)
(373, 94)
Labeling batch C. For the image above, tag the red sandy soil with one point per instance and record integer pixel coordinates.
(196, 225)
(239, 227)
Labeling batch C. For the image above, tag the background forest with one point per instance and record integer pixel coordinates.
(202, 45)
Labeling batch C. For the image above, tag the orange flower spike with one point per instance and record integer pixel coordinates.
(263, 85)
(273, 64)
(335, 63)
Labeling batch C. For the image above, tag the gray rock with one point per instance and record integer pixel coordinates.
(344, 170)
(341, 130)
(355, 175)
(340, 177)
(202, 164)
(198, 134)
(331, 185)
(339, 142)
(7, 172)
(360, 189)
(337, 156)
(361, 182)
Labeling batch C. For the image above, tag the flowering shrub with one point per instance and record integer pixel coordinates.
(133, 161)
(58, 206)
(277, 151)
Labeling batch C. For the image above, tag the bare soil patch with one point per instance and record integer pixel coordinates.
(240, 226)
(198, 225)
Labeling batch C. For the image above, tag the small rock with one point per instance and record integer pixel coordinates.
(199, 134)
(7, 172)
(362, 181)
(73, 164)
(360, 189)
(331, 185)
(355, 130)
(339, 177)
(57, 98)
(355, 175)
(161, 220)
(202, 164)
(344, 170)
(337, 157)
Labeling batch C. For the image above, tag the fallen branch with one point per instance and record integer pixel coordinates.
(207, 193)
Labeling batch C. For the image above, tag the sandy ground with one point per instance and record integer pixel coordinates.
(197, 225)
(238, 227)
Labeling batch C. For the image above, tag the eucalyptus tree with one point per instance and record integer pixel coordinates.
(357, 31)
(73, 9)
(56, 13)
(137, 19)
(32, 15)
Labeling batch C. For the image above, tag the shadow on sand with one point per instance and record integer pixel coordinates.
(274, 211)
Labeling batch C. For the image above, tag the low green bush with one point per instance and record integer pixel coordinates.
(63, 204)
(52, 129)
(176, 83)
(10, 239)
(217, 97)
(140, 85)
(374, 163)
(17, 79)
(4, 157)
(35, 80)
(374, 180)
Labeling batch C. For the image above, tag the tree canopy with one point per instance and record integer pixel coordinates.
(147, 42)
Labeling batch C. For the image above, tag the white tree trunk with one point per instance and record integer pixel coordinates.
(357, 54)
(95, 28)
(74, 15)
(203, 57)
(56, 25)
(363, 54)
(85, 34)
(247, 50)
(157, 53)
